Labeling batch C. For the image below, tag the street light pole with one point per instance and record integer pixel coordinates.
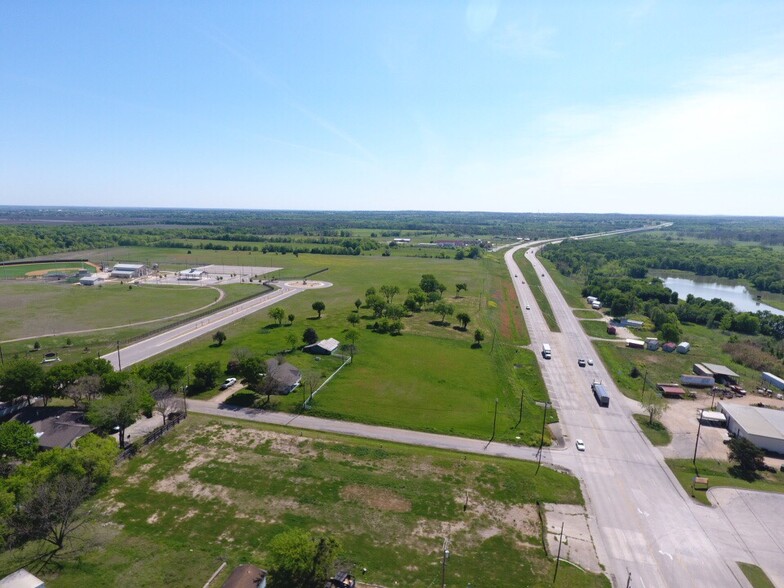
(699, 425)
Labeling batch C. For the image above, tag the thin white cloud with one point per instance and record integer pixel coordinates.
(524, 42)
(639, 10)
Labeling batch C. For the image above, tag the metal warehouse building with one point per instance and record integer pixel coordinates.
(762, 426)
(129, 270)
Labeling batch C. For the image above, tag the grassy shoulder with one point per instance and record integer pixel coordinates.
(217, 489)
(656, 432)
(755, 575)
(569, 287)
(718, 474)
(586, 313)
(530, 276)
(596, 329)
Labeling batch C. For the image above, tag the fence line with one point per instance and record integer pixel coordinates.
(151, 437)
(306, 404)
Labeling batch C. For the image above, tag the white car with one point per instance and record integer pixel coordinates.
(528, 307)
(590, 361)
(580, 445)
(229, 382)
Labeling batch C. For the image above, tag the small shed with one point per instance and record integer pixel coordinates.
(323, 347)
(90, 280)
(712, 417)
(21, 579)
(635, 343)
(697, 381)
(651, 343)
(671, 390)
(668, 347)
(683, 347)
(192, 274)
(246, 576)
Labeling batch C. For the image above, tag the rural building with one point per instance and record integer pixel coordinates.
(668, 347)
(635, 343)
(713, 418)
(128, 271)
(722, 373)
(54, 426)
(401, 240)
(323, 347)
(91, 280)
(285, 377)
(701, 370)
(246, 576)
(192, 274)
(697, 381)
(651, 343)
(683, 347)
(762, 426)
(671, 390)
(21, 579)
(625, 322)
(773, 380)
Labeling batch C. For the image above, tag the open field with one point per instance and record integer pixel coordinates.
(217, 490)
(716, 472)
(532, 278)
(585, 313)
(39, 269)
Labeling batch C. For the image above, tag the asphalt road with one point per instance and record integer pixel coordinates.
(151, 346)
(648, 532)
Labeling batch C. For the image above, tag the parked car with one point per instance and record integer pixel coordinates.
(580, 445)
(229, 382)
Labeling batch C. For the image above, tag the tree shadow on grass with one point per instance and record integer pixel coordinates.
(459, 328)
(749, 476)
(440, 323)
(476, 346)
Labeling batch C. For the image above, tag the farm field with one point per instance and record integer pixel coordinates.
(216, 490)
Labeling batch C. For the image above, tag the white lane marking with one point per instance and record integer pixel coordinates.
(665, 553)
(642, 512)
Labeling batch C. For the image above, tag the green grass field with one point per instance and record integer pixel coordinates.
(532, 279)
(587, 314)
(569, 287)
(657, 433)
(216, 490)
(718, 475)
(596, 329)
(35, 269)
(756, 575)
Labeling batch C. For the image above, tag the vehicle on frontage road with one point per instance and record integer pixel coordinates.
(546, 351)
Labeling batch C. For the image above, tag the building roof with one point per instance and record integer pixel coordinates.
(671, 389)
(762, 422)
(283, 373)
(54, 426)
(192, 272)
(720, 370)
(329, 345)
(712, 415)
(245, 576)
(21, 579)
(125, 267)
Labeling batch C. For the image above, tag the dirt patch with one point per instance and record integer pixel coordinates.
(153, 518)
(377, 498)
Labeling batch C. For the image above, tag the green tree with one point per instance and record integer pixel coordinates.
(277, 314)
(376, 304)
(205, 375)
(163, 373)
(122, 409)
(302, 560)
(291, 319)
(310, 336)
(463, 319)
(671, 332)
(291, 341)
(17, 442)
(479, 336)
(429, 283)
(319, 307)
(219, 337)
(748, 457)
(21, 377)
(389, 292)
(353, 318)
(252, 369)
(460, 287)
(655, 406)
(358, 304)
(351, 337)
(443, 309)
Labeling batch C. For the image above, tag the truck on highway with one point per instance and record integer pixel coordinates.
(600, 393)
(546, 351)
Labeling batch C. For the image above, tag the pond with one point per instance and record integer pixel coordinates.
(709, 288)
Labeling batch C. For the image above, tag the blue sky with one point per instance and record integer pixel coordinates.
(632, 107)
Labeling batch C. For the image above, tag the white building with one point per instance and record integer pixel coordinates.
(762, 426)
(192, 274)
(91, 280)
(128, 271)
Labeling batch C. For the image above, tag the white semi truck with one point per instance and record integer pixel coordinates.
(546, 351)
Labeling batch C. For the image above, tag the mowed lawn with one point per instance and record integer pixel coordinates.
(218, 490)
(43, 309)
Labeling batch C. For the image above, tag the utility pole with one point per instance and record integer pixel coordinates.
(495, 418)
(629, 581)
(443, 563)
(520, 419)
(2, 361)
(644, 379)
(699, 425)
(558, 557)
(541, 441)
(119, 363)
